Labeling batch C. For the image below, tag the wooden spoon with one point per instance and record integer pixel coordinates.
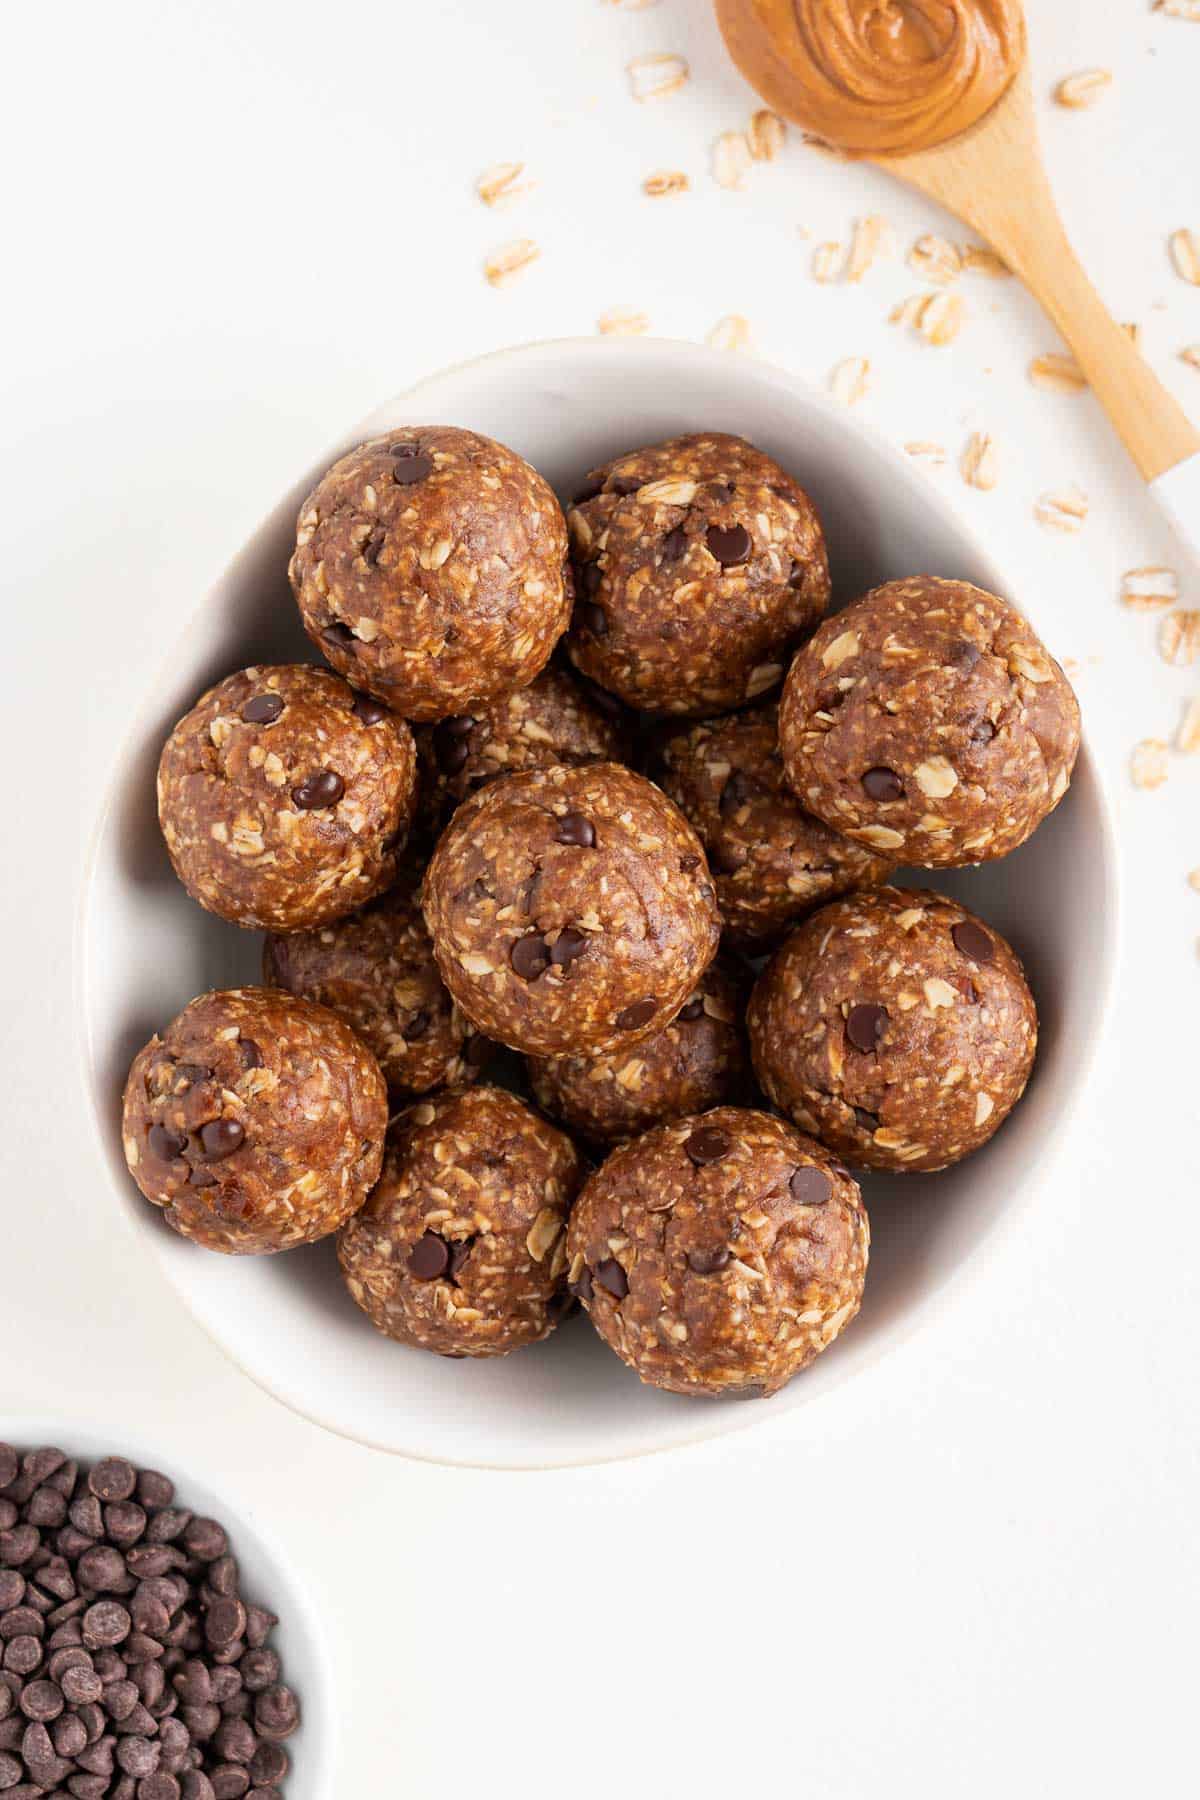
(992, 176)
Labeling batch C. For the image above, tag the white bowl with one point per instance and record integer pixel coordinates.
(145, 949)
(266, 1578)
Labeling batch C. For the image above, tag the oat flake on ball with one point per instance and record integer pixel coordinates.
(430, 568)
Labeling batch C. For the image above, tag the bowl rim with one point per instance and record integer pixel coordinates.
(223, 1502)
(795, 389)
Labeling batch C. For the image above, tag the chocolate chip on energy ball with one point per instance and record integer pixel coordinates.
(263, 709)
(611, 1277)
(709, 1144)
(220, 1138)
(429, 1257)
(708, 1262)
(973, 941)
(810, 1186)
(369, 711)
(729, 545)
(530, 956)
(639, 1013)
(411, 468)
(882, 784)
(574, 829)
(320, 790)
(865, 1025)
(569, 944)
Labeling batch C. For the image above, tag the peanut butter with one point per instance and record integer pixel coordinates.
(877, 77)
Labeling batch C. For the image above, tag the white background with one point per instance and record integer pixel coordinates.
(228, 231)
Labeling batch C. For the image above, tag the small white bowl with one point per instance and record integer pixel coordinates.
(145, 949)
(267, 1579)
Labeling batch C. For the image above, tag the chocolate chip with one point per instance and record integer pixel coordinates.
(693, 1010)
(674, 544)
(581, 1289)
(708, 1144)
(368, 711)
(224, 1623)
(249, 1054)
(963, 655)
(205, 1539)
(688, 863)
(624, 484)
(568, 945)
(973, 941)
(611, 1277)
(729, 544)
(317, 791)
(429, 1257)
(339, 635)
(864, 1025)
(882, 784)
(190, 1074)
(639, 1013)
(373, 546)
(105, 1624)
(113, 1479)
(707, 1262)
(460, 1250)
(42, 1700)
(417, 1028)
(810, 1186)
(81, 1686)
(592, 618)
(410, 467)
(866, 1121)
(220, 1138)
(164, 1144)
(9, 1466)
(530, 956)
(574, 829)
(263, 709)
(269, 1764)
(276, 1713)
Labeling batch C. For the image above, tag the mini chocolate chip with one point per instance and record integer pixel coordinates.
(373, 546)
(864, 1025)
(882, 784)
(530, 956)
(429, 1257)
(112, 1479)
(339, 635)
(575, 830)
(166, 1145)
(249, 1054)
(581, 1289)
(693, 1010)
(810, 1186)
(674, 544)
(263, 709)
(417, 1028)
(637, 1014)
(866, 1121)
(707, 1262)
(593, 618)
(708, 1144)
(220, 1138)
(611, 1277)
(568, 945)
(729, 544)
(973, 941)
(368, 711)
(317, 791)
(410, 468)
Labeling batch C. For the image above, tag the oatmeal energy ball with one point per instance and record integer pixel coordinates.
(284, 797)
(462, 1246)
(550, 721)
(430, 568)
(896, 1027)
(720, 1254)
(570, 909)
(928, 722)
(697, 1061)
(255, 1121)
(375, 969)
(699, 564)
(772, 862)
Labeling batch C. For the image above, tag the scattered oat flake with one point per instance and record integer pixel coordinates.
(827, 261)
(506, 263)
(1185, 254)
(1194, 880)
(813, 142)
(921, 450)
(502, 183)
(765, 135)
(941, 318)
(1179, 638)
(1187, 738)
(730, 160)
(1083, 88)
(1148, 764)
(1191, 354)
(654, 77)
(907, 312)
(980, 463)
(850, 380)
(1059, 371)
(983, 261)
(664, 182)
(935, 259)
(622, 321)
(1149, 587)
(1179, 9)
(1064, 510)
(730, 333)
(872, 239)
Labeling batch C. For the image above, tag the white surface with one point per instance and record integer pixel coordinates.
(1178, 493)
(229, 229)
(288, 1321)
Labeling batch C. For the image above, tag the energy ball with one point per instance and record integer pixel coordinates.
(699, 564)
(928, 722)
(697, 1061)
(430, 568)
(462, 1246)
(550, 721)
(771, 861)
(720, 1254)
(376, 971)
(896, 1027)
(285, 797)
(571, 909)
(256, 1121)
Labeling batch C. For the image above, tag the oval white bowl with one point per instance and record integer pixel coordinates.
(145, 949)
(267, 1578)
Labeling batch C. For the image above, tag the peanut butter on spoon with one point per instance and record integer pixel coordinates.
(877, 77)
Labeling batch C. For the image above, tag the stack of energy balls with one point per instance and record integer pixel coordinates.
(455, 844)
